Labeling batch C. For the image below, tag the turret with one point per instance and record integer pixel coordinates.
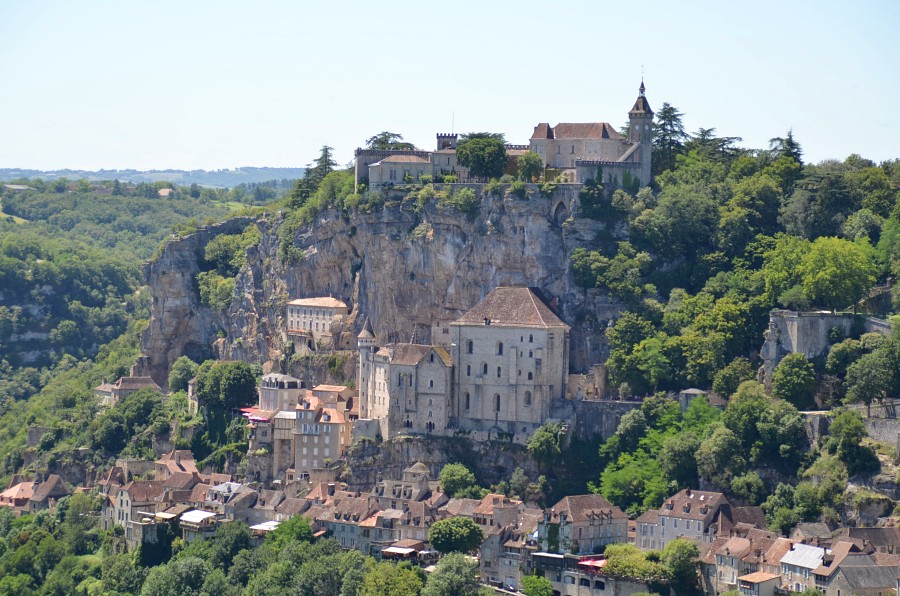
(365, 343)
(640, 130)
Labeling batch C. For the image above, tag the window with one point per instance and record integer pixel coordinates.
(528, 398)
(484, 368)
(431, 382)
(530, 340)
(499, 372)
(469, 346)
(392, 174)
(500, 349)
(530, 376)
(497, 402)
(467, 401)
(468, 370)
(431, 357)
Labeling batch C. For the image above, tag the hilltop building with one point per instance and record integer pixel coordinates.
(582, 148)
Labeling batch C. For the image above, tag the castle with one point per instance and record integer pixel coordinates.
(582, 150)
(507, 360)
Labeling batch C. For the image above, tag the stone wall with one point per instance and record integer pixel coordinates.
(806, 333)
(592, 420)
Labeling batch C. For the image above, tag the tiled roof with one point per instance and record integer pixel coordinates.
(330, 388)
(875, 536)
(491, 500)
(403, 159)
(651, 516)
(22, 490)
(324, 301)
(870, 577)
(182, 480)
(511, 307)
(198, 493)
(292, 506)
(692, 504)
(641, 106)
(758, 577)
(144, 491)
(462, 507)
(136, 383)
(583, 507)
(542, 131)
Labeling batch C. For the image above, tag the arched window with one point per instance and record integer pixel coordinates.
(530, 354)
(429, 401)
(528, 398)
(530, 338)
(467, 401)
(429, 413)
(399, 379)
(468, 370)
(484, 368)
(530, 376)
(499, 372)
(469, 346)
(500, 349)
(497, 402)
(431, 382)
(431, 357)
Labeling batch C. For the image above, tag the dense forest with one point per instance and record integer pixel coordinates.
(725, 235)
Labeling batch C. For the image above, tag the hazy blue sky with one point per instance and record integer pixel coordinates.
(218, 84)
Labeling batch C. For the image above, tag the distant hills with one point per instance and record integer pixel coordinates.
(220, 178)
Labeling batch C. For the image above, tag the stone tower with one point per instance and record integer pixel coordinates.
(365, 342)
(640, 130)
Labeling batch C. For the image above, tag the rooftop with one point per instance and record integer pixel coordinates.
(322, 302)
(511, 306)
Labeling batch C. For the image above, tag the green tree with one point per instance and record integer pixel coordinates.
(183, 370)
(226, 385)
(794, 381)
(530, 166)
(869, 379)
(729, 378)
(455, 534)
(484, 154)
(682, 557)
(388, 578)
(453, 575)
(668, 138)
(456, 478)
(836, 273)
(678, 459)
(720, 457)
(536, 585)
(545, 444)
(295, 529)
(388, 141)
(179, 577)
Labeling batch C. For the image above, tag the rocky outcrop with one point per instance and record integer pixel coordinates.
(382, 264)
(179, 325)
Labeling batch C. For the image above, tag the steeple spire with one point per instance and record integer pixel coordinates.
(641, 90)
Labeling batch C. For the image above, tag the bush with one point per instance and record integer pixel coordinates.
(518, 189)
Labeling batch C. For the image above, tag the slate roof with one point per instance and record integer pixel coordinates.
(144, 491)
(367, 331)
(804, 555)
(135, 384)
(868, 577)
(52, 488)
(689, 504)
(875, 536)
(510, 306)
(412, 354)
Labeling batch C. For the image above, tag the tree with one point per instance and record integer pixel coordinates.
(729, 378)
(388, 578)
(183, 370)
(794, 381)
(484, 154)
(668, 138)
(179, 577)
(295, 529)
(455, 478)
(536, 585)
(454, 575)
(869, 379)
(226, 385)
(720, 457)
(678, 459)
(544, 444)
(787, 147)
(388, 141)
(836, 273)
(530, 166)
(682, 557)
(456, 534)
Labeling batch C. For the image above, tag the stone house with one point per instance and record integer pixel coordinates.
(758, 583)
(741, 554)
(174, 462)
(314, 320)
(574, 575)
(689, 514)
(592, 147)
(504, 555)
(109, 394)
(581, 524)
(280, 392)
(511, 359)
(646, 531)
(798, 565)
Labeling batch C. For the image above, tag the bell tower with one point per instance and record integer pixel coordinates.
(365, 342)
(640, 130)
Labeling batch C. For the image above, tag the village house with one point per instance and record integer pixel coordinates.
(689, 514)
(798, 565)
(29, 496)
(581, 524)
(758, 583)
(109, 394)
(312, 322)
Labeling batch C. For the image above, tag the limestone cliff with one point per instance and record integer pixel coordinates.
(403, 269)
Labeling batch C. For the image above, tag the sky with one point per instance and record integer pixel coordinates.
(202, 84)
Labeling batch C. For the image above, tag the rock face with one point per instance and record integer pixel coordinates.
(179, 325)
(404, 268)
